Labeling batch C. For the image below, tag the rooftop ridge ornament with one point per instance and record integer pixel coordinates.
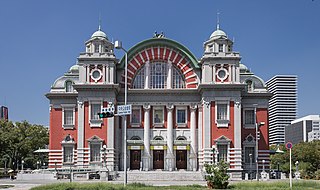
(156, 35)
(99, 22)
(218, 20)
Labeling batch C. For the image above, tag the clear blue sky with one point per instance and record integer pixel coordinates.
(40, 40)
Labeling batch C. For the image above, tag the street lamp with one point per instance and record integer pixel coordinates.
(257, 126)
(250, 172)
(297, 169)
(278, 151)
(22, 162)
(118, 45)
(263, 162)
(38, 165)
(104, 149)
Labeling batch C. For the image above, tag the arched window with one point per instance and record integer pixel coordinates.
(139, 79)
(249, 85)
(181, 138)
(177, 79)
(69, 87)
(158, 75)
(158, 138)
(135, 138)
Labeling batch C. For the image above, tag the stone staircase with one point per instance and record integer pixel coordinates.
(141, 176)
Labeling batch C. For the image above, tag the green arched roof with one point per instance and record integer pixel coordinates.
(162, 42)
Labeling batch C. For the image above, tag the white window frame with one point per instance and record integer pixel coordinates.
(222, 123)
(248, 126)
(66, 86)
(153, 116)
(225, 76)
(246, 144)
(139, 123)
(98, 143)
(63, 151)
(182, 125)
(95, 122)
(68, 107)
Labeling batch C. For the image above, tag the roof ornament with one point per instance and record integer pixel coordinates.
(156, 35)
(99, 22)
(218, 20)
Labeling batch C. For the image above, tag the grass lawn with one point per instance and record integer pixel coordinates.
(303, 185)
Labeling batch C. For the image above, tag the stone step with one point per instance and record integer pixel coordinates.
(161, 176)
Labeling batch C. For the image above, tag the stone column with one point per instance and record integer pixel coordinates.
(169, 76)
(80, 143)
(147, 77)
(193, 148)
(213, 73)
(110, 143)
(207, 149)
(111, 74)
(170, 156)
(237, 140)
(146, 138)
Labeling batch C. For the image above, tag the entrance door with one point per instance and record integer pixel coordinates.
(135, 159)
(158, 157)
(181, 159)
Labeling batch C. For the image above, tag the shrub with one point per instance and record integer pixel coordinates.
(217, 176)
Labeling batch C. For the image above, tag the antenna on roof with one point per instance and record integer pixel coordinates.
(218, 20)
(99, 21)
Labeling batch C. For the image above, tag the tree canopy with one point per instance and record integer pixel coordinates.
(19, 141)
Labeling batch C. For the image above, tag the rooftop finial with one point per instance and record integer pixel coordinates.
(99, 22)
(218, 20)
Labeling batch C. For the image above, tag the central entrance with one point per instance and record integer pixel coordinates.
(135, 159)
(158, 157)
(181, 159)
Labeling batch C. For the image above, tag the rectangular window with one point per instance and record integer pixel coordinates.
(220, 47)
(95, 152)
(181, 116)
(222, 110)
(249, 117)
(68, 117)
(249, 155)
(222, 152)
(68, 154)
(135, 116)
(96, 48)
(158, 116)
(95, 109)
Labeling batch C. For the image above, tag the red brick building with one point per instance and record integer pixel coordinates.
(185, 111)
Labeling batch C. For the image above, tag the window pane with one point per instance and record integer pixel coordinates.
(67, 154)
(177, 79)
(158, 75)
(223, 151)
(181, 116)
(135, 116)
(248, 151)
(69, 87)
(158, 116)
(222, 111)
(249, 117)
(139, 79)
(95, 152)
(68, 117)
(95, 109)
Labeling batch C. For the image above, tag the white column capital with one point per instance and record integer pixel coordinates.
(193, 107)
(170, 107)
(146, 107)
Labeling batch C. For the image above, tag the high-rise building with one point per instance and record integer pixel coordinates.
(4, 113)
(304, 129)
(185, 111)
(282, 106)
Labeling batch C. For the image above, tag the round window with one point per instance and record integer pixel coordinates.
(96, 75)
(221, 74)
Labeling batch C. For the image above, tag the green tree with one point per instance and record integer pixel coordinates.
(19, 141)
(217, 176)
